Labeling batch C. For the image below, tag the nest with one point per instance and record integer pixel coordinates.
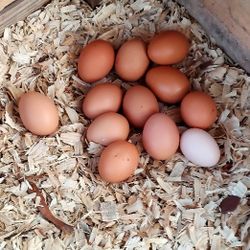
(166, 204)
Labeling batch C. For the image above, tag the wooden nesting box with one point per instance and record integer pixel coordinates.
(166, 204)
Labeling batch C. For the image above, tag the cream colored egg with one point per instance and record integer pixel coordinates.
(200, 147)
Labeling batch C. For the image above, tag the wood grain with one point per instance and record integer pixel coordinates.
(5, 3)
(17, 11)
(228, 23)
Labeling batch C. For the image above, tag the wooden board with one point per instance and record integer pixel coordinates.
(228, 22)
(5, 3)
(17, 11)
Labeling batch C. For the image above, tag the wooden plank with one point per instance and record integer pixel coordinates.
(5, 3)
(228, 23)
(17, 11)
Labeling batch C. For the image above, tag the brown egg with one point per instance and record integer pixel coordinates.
(102, 98)
(96, 60)
(168, 84)
(38, 113)
(132, 60)
(107, 128)
(168, 47)
(160, 137)
(118, 161)
(138, 104)
(198, 110)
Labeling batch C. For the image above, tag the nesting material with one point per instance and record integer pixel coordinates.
(166, 204)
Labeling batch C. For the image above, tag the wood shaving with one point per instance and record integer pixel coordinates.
(109, 211)
(165, 205)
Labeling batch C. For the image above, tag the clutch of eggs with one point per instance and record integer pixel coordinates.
(139, 105)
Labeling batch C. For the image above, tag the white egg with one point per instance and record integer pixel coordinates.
(200, 147)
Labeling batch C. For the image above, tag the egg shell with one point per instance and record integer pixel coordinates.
(168, 84)
(96, 60)
(38, 113)
(118, 161)
(168, 47)
(107, 128)
(139, 104)
(102, 98)
(132, 60)
(160, 136)
(200, 147)
(198, 110)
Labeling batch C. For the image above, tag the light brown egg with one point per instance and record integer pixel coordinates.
(132, 60)
(96, 60)
(198, 110)
(118, 161)
(168, 47)
(168, 84)
(38, 113)
(107, 128)
(160, 137)
(102, 98)
(138, 104)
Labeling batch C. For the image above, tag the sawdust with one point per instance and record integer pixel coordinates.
(165, 205)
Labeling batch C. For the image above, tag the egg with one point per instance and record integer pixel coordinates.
(132, 60)
(198, 110)
(96, 60)
(168, 84)
(102, 98)
(118, 161)
(160, 136)
(139, 104)
(107, 128)
(200, 147)
(168, 47)
(38, 113)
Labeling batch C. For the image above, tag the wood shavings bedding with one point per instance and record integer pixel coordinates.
(165, 205)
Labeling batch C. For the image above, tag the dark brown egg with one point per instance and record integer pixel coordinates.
(132, 60)
(198, 110)
(168, 47)
(96, 60)
(168, 84)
